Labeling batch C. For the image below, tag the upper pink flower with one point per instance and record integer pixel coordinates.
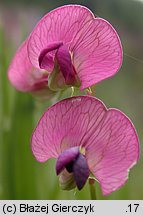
(87, 137)
(68, 47)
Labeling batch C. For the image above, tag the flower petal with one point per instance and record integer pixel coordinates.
(97, 52)
(60, 24)
(67, 124)
(66, 180)
(80, 171)
(114, 150)
(46, 60)
(22, 74)
(64, 61)
(65, 158)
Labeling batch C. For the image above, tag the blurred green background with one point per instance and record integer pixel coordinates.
(21, 176)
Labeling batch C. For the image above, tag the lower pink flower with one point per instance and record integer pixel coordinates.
(86, 137)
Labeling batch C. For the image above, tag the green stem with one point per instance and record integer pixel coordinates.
(92, 189)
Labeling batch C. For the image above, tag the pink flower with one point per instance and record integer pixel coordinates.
(68, 47)
(87, 137)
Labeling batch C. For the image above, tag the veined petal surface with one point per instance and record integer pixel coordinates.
(22, 74)
(64, 125)
(113, 151)
(97, 52)
(60, 24)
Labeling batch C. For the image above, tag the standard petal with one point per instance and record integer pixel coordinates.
(97, 52)
(113, 151)
(22, 74)
(60, 24)
(67, 124)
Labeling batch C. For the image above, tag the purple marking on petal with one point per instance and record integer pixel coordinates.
(69, 167)
(60, 24)
(80, 171)
(64, 60)
(46, 59)
(65, 158)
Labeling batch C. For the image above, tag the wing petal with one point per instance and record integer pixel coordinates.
(23, 75)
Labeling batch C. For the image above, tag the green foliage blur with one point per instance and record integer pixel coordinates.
(21, 176)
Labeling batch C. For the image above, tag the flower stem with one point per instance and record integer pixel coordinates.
(72, 91)
(92, 189)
